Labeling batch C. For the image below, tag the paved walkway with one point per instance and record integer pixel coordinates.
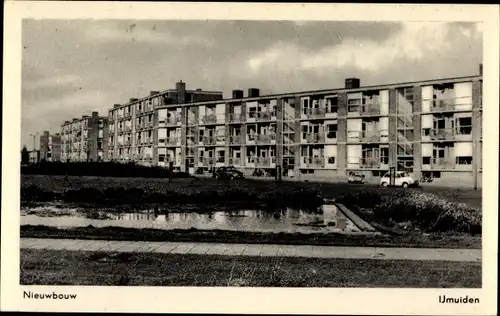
(255, 249)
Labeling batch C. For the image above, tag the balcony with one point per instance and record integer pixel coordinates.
(313, 162)
(209, 140)
(208, 161)
(265, 139)
(442, 134)
(235, 118)
(374, 136)
(173, 141)
(369, 109)
(235, 139)
(315, 113)
(263, 162)
(264, 116)
(369, 163)
(442, 163)
(443, 105)
(173, 121)
(315, 138)
(233, 161)
(209, 119)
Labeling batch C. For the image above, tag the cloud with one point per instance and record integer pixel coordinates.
(141, 34)
(413, 42)
(52, 82)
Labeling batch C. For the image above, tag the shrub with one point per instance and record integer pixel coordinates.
(102, 169)
(33, 193)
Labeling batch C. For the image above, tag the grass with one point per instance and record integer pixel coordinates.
(409, 210)
(193, 191)
(195, 235)
(57, 184)
(56, 267)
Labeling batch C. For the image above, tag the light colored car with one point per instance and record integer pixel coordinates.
(402, 179)
(356, 178)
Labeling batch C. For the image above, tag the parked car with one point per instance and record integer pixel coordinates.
(228, 173)
(402, 179)
(356, 178)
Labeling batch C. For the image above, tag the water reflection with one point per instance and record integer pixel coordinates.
(326, 219)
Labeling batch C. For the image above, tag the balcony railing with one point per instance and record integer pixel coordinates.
(209, 140)
(233, 161)
(371, 109)
(208, 161)
(315, 138)
(235, 139)
(264, 115)
(265, 139)
(442, 163)
(370, 163)
(173, 121)
(209, 119)
(439, 105)
(374, 136)
(235, 117)
(263, 161)
(172, 140)
(313, 162)
(316, 113)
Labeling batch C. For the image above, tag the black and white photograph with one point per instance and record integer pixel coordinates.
(261, 153)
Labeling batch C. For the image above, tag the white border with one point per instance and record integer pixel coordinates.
(244, 300)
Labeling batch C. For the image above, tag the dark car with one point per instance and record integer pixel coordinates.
(228, 173)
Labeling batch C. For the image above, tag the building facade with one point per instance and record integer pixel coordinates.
(144, 131)
(45, 147)
(427, 128)
(85, 139)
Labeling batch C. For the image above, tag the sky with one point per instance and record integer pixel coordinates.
(73, 67)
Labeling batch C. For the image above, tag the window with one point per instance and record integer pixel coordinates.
(384, 155)
(305, 106)
(161, 140)
(202, 132)
(332, 105)
(353, 105)
(464, 125)
(331, 160)
(161, 158)
(331, 131)
(238, 154)
(426, 131)
(464, 160)
(426, 160)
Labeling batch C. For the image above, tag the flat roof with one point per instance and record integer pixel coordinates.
(332, 91)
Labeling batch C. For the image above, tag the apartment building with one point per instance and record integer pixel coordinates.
(46, 147)
(431, 127)
(150, 129)
(85, 139)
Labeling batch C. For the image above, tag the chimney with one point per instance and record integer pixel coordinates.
(75, 119)
(95, 114)
(152, 93)
(132, 100)
(84, 116)
(481, 69)
(115, 106)
(253, 92)
(66, 122)
(352, 83)
(237, 94)
(198, 89)
(180, 87)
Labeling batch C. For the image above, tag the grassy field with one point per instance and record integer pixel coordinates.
(416, 240)
(328, 190)
(55, 267)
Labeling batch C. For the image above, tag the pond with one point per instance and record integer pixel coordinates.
(325, 219)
